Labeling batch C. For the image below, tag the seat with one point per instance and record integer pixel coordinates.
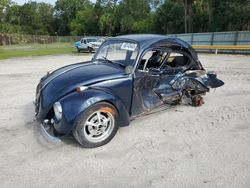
(179, 61)
(154, 60)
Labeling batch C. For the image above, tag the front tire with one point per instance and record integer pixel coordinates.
(78, 50)
(97, 125)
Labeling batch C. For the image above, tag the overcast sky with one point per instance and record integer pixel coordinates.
(20, 2)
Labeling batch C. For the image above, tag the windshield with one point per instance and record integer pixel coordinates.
(92, 40)
(122, 52)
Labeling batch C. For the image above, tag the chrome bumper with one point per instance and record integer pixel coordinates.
(47, 132)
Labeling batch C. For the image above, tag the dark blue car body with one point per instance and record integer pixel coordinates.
(130, 93)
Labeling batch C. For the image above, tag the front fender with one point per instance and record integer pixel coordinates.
(74, 104)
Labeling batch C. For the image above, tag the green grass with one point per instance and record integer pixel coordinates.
(35, 50)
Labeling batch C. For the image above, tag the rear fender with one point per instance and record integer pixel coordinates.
(186, 82)
(206, 79)
(211, 81)
(195, 84)
(75, 104)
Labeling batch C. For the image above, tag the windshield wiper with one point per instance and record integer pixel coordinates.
(110, 61)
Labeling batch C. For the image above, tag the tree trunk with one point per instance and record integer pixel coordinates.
(185, 14)
(188, 15)
(190, 21)
(210, 14)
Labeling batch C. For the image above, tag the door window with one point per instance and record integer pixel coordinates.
(152, 59)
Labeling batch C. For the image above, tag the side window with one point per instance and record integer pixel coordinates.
(177, 60)
(85, 41)
(152, 59)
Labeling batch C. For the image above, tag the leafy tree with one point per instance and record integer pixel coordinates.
(230, 15)
(107, 24)
(130, 12)
(169, 18)
(45, 17)
(35, 18)
(200, 16)
(85, 22)
(108, 20)
(4, 4)
(114, 17)
(65, 12)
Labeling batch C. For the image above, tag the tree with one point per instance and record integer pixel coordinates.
(107, 24)
(201, 16)
(36, 18)
(107, 19)
(85, 22)
(45, 17)
(65, 12)
(169, 18)
(114, 17)
(129, 12)
(230, 15)
(4, 4)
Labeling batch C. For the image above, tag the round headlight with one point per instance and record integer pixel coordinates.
(58, 110)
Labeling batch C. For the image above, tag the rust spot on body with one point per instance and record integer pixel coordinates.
(107, 109)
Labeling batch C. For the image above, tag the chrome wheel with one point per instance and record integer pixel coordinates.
(98, 126)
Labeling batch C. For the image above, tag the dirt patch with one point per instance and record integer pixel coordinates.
(179, 147)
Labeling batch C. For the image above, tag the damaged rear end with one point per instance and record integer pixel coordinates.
(188, 87)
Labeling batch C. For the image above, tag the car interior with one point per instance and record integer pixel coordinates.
(156, 58)
(177, 60)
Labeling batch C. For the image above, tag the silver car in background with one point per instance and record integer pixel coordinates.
(88, 44)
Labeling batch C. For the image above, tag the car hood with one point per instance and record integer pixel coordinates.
(78, 43)
(65, 80)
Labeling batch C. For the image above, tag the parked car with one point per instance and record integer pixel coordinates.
(88, 44)
(128, 76)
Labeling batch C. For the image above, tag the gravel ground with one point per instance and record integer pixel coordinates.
(186, 146)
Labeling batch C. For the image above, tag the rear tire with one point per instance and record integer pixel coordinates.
(197, 101)
(97, 125)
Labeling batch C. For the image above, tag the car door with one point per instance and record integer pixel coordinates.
(146, 78)
(84, 44)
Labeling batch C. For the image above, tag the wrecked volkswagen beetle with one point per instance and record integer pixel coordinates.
(128, 76)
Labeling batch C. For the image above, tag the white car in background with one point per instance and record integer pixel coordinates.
(88, 44)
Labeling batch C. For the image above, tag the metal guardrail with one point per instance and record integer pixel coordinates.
(225, 42)
(222, 47)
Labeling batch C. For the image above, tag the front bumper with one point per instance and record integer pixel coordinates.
(47, 130)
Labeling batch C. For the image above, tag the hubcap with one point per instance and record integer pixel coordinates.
(99, 126)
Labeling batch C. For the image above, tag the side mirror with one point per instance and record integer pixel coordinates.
(129, 69)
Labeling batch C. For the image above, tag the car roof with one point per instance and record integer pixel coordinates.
(147, 40)
(141, 37)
